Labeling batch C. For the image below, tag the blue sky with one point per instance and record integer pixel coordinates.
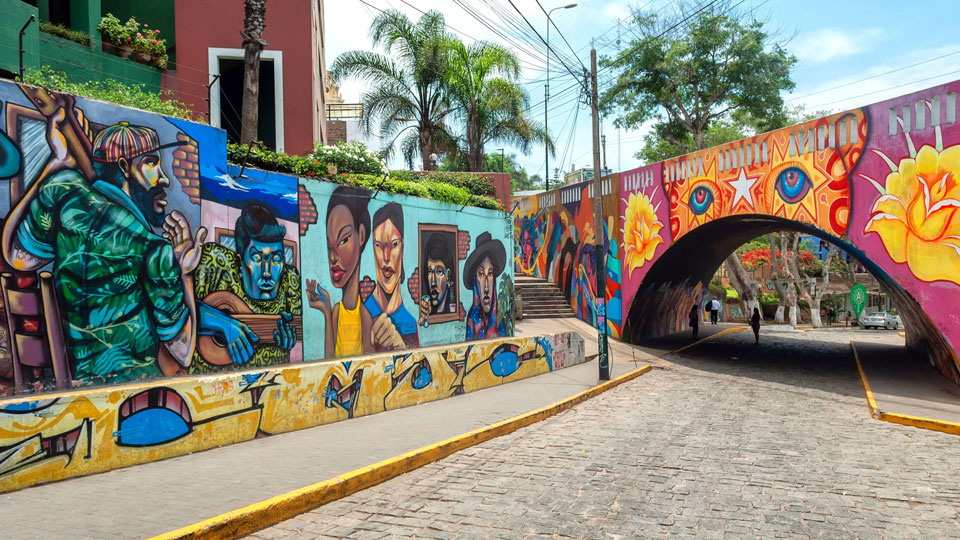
(838, 43)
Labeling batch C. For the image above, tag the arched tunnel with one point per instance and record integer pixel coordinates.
(676, 280)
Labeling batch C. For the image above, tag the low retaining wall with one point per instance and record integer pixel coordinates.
(59, 436)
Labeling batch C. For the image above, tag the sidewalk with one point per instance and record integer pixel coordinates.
(150, 499)
(904, 383)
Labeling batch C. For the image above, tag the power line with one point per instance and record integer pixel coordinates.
(549, 48)
(873, 76)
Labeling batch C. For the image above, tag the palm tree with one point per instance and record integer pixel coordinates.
(254, 14)
(481, 80)
(407, 95)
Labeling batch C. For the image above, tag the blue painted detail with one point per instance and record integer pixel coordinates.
(152, 426)
(388, 368)
(504, 363)
(421, 376)
(251, 378)
(701, 198)
(547, 350)
(20, 407)
(793, 184)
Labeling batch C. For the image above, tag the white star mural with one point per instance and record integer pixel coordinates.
(743, 184)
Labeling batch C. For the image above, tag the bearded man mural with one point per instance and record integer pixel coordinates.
(124, 290)
(480, 274)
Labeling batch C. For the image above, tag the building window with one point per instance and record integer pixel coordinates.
(226, 99)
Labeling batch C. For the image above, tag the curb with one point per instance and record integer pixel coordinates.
(952, 428)
(710, 338)
(276, 509)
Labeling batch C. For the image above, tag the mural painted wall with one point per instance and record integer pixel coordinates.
(52, 438)
(880, 181)
(131, 250)
(555, 240)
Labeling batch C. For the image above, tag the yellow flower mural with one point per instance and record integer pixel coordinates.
(917, 215)
(641, 231)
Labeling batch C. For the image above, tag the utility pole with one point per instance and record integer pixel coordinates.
(546, 96)
(603, 141)
(600, 237)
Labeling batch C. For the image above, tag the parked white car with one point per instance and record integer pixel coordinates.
(881, 319)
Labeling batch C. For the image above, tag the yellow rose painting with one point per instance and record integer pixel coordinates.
(641, 231)
(917, 215)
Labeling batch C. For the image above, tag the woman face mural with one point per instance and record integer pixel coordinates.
(348, 323)
(344, 244)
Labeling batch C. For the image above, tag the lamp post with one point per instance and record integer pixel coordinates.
(501, 159)
(546, 98)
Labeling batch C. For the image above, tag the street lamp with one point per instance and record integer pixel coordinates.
(546, 97)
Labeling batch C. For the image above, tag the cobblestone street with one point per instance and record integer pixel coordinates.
(730, 440)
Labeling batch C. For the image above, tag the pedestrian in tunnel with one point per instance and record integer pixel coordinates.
(714, 310)
(755, 324)
(695, 319)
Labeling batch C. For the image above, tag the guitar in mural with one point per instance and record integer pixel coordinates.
(215, 350)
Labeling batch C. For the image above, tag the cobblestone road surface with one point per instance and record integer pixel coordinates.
(730, 441)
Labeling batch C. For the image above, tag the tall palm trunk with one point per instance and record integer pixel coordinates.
(475, 158)
(426, 146)
(254, 14)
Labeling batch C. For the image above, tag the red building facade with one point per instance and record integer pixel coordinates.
(292, 101)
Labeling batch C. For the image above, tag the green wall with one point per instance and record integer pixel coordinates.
(79, 62)
(13, 13)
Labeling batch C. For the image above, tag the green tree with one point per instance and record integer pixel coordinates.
(519, 181)
(407, 97)
(491, 105)
(692, 69)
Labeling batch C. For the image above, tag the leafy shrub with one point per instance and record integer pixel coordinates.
(114, 92)
(349, 157)
(397, 182)
(76, 36)
(475, 183)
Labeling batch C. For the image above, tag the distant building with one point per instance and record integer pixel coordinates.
(345, 120)
(203, 41)
(582, 175)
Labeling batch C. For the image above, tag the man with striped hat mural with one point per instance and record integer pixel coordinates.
(125, 292)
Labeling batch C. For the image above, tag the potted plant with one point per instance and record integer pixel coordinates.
(111, 31)
(141, 48)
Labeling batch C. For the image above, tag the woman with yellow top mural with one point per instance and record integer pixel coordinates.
(348, 323)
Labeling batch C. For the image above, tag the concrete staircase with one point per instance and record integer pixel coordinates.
(542, 299)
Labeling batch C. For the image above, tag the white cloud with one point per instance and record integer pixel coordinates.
(824, 44)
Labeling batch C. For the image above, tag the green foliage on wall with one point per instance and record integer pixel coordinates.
(112, 91)
(77, 36)
(444, 187)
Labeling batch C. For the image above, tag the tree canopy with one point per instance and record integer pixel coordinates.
(719, 66)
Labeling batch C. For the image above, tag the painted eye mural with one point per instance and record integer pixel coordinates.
(792, 184)
(701, 198)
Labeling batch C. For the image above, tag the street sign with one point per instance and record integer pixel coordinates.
(858, 298)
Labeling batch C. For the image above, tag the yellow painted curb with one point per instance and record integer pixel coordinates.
(276, 509)
(871, 403)
(903, 419)
(710, 338)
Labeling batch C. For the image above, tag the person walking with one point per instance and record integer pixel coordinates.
(714, 310)
(755, 324)
(695, 320)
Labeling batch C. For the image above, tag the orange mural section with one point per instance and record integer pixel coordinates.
(800, 173)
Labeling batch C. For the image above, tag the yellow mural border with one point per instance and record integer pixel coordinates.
(263, 514)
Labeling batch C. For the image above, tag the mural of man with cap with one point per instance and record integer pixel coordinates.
(480, 274)
(123, 290)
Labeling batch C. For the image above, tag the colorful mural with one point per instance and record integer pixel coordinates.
(106, 428)
(413, 288)
(556, 240)
(880, 181)
(131, 250)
